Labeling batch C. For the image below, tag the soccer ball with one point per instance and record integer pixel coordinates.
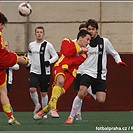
(25, 9)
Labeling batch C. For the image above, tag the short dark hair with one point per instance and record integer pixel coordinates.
(83, 25)
(83, 33)
(92, 22)
(3, 18)
(39, 27)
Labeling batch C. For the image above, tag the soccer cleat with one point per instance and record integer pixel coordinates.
(39, 115)
(45, 116)
(37, 108)
(53, 113)
(13, 122)
(69, 121)
(78, 117)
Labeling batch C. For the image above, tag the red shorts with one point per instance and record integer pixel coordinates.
(2, 77)
(69, 78)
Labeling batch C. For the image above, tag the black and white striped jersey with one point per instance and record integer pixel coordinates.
(96, 63)
(40, 52)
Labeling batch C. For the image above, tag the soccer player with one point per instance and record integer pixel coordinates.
(7, 59)
(72, 54)
(78, 79)
(9, 71)
(41, 55)
(94, 68)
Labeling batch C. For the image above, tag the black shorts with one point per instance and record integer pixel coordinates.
(77, 82)
(97, 85)
(42, 80)
(8, 87)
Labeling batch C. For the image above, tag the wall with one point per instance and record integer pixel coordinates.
(62, 19)
(119, 90)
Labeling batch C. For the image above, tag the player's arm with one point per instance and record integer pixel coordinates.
(29, 56)
(114, 53)
(15, 67)
(53, 54)
(74, 61)
(23, 60)
(69, 48)
(79, 59)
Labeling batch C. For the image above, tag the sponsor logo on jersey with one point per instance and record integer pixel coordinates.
(101, 46)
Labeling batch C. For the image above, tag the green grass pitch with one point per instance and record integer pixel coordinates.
(92, 121)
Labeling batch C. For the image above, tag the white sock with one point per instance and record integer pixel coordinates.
(34, 97)
(75, 106)
(79, 109)
(44, 101)
(90, 91)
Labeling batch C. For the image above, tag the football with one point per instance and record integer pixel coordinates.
(25, 9)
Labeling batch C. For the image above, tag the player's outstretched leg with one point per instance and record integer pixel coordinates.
(56, 92)
(78, 113)
(11, 120)
(75, 107)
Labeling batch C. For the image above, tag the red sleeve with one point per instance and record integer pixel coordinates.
(0, 40)
(76, 60)
(69, 48)
(7, 59)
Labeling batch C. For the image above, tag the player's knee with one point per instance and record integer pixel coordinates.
(43, 94)
(81, 94)
(61, 83)
(100, 100)
(32, 90)
(60, 80)
(100, 97)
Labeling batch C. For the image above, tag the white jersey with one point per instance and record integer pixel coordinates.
(95, 64)
(10, 73)
(40, 52)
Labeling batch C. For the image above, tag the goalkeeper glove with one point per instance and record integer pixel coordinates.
(46, 63)
(122, 64)
(26, 59)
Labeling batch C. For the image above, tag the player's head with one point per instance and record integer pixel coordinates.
(39, 27)
(39, 33)
(3, 20)
(92, 27)
(82, 26)
(83, 38)
(6, 44)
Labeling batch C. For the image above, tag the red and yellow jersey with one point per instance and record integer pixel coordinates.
(70, 55)
(7, 59)
(69, 48)
(1, 40)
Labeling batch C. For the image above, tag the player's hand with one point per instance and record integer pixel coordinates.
(26, 59)
(84, 49)
(122, 64)
(46, 63)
